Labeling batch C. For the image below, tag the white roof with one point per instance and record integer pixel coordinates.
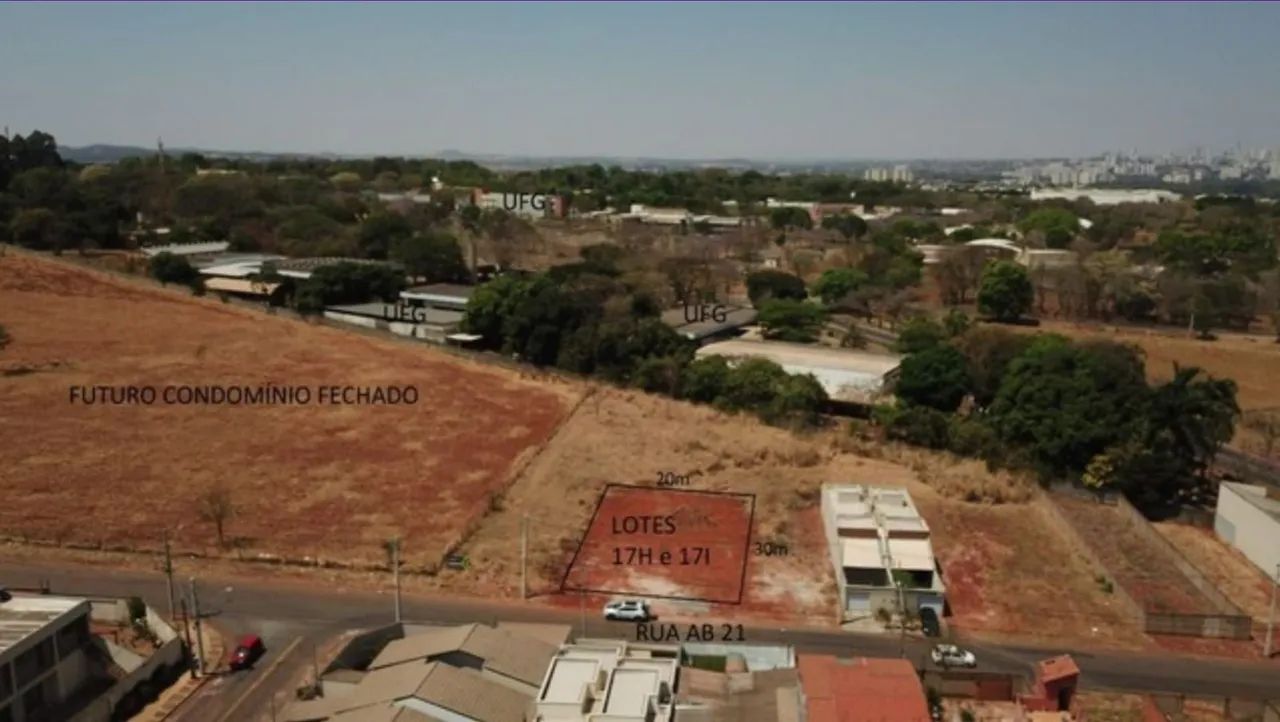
(187, 249)
(861, 553)
(629, 690)
(567, 679)
(911, 554)
(845, 375)
(1003, 243)
(23, 616)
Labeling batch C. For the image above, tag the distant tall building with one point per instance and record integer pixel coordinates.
(902, 174)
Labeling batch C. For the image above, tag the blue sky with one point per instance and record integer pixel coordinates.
(753, 80)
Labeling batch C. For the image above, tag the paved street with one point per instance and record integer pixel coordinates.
(297, 618)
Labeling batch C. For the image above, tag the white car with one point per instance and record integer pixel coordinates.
(627, 610)
(949, 655)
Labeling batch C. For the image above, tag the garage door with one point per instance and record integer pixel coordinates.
(858, 602)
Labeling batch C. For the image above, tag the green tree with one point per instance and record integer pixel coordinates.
(837, 283)
(789, 217)
(433, 257)
(704, 379)
(489, 307)
(917, 425)
(788, 320)
(38, 228)
(1058, 225)
(767, 284)
(1005, 291)
(348, 282)
(169, 268)
(919, 333)
(380, 232)
(1065, 404)
(988, 352)
(848, 225)
(936, 377)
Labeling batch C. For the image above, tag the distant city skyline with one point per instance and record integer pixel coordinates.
(702, 81)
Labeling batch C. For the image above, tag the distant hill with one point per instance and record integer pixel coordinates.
(101, 153)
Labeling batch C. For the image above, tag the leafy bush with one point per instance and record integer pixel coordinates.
(919, 333)
(1005, 292)
(970, 437)
(767, 284)
(937, 378)
(918, 425)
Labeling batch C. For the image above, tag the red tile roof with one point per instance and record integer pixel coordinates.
(1058, 668)
(861, 690)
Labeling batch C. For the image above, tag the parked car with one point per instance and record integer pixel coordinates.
(247, 652)
(949, 655)
(627, 610)
(929, 623)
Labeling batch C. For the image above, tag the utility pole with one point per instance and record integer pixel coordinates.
(395, 572)
(168, 572)
(186, 631)
(524, 557)
(195, 612)
(1271, 616)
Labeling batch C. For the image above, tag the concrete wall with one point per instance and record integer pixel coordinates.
(156, 668)
(1248, 528)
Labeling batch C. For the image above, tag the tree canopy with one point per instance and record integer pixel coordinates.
(1005, 291)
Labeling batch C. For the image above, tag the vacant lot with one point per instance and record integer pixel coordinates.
(1243, 583)
(665, 543)
(1138, 563)
(1007, 570)
(319, 481)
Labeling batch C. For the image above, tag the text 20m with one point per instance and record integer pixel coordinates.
(645, 556)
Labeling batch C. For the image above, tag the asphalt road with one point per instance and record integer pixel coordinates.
(298, 618)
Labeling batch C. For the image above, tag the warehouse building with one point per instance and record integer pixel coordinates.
(881, 552)
(708, 322)
(848, 377)
(43, 659)
(1248, 518)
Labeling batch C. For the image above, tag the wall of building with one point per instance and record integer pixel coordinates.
(1248, 528)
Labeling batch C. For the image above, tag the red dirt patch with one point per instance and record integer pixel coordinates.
(319, 481)
(665, 543)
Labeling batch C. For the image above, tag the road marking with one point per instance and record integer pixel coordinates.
(266, 673)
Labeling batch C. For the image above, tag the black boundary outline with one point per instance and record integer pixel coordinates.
(742, 581)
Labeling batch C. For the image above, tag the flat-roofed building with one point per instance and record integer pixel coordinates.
(608, 680)
(421, 322)
(709, 322)
(881, 551)
(451, 296)
(849, 377)
(43, 659)
(1248, 518)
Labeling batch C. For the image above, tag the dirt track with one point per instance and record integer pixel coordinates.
(313, 480)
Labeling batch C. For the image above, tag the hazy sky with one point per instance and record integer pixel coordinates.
(693, 80)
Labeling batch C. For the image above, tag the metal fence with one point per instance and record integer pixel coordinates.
(1212, 626)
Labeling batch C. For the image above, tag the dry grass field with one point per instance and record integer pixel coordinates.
(1243, 583)
(319, 481)
(1007, 569)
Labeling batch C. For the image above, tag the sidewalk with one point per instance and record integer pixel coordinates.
(178, 692)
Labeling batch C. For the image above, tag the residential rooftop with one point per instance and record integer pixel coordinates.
(23, 616)
(861, 690)
(1257, 495)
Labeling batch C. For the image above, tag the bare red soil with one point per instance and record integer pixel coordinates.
(665, 543)
(318, 481)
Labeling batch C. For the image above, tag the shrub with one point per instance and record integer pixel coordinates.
(937, 378)
(970, 437)
(919, 333)
(918, 425)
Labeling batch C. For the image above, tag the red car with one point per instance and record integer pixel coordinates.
(247, 652)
